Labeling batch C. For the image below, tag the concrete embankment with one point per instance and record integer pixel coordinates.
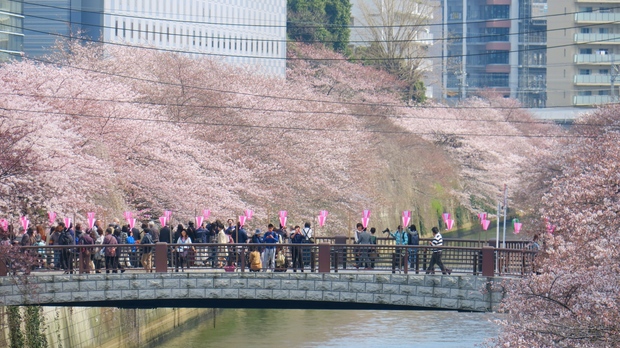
(85, 327)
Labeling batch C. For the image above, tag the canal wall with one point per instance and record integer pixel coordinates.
(86, 327)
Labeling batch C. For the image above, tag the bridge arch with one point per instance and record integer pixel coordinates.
(354, 290)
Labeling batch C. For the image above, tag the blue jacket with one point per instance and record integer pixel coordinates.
(201, 235)
(270, 238)
(401, 237)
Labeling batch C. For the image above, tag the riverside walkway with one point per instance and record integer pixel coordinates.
(331, 280)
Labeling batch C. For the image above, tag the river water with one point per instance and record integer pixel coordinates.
(338, 328)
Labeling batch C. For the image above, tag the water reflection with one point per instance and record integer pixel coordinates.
(338, 328)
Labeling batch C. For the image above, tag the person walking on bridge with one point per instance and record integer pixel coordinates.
(436, 258)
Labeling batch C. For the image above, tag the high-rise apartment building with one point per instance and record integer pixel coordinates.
(583, 52)
(496, 45)
(11, 36)
(241, 32)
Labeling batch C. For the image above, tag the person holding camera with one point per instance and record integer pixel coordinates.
(401, 237)
(436, 258)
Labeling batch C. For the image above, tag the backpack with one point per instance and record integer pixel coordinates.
(414, 238)
(65, 239)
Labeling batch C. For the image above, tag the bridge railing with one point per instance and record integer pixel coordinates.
(321, 257)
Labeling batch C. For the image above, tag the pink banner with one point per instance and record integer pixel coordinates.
(206, 213)
(162, 221)
(52, 217)
(365, 221)
(168, 215)
(283, 213)
(449, 224)
(67, 222)
(91, 214)
(446, 217)
(199, 220)
(483, 216)
(406, 221)
(132, 223)
(518, 226)
(323, 213)
(4, 223)
(366, 214)
(249, 213)
(25, 222)
(485, 224)
(242, 219)
(283, 220)
(127, 215)
(322, 219)
(550, 228)
(91, 222)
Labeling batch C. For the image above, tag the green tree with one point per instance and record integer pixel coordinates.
(325, 21)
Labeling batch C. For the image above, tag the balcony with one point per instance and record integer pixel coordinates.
(498, 23)
(594, 59)
(499, 2)
(497, 68)
(592, 80)
(601, 39)
(598, 1)
(424, 38)
(497, 46)
(596, 17)
(587, 100)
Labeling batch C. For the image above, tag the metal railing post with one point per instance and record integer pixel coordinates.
(488, 262)
(161, 257)
(324, 258)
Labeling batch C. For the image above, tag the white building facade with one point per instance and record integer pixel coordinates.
(240, 32)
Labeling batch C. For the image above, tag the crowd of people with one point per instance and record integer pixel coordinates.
(97, 249)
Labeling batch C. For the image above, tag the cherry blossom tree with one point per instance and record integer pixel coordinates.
(573, 301)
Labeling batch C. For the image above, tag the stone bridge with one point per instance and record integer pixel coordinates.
(354, 290)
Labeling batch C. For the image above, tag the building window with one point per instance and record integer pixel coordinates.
(603, 30)
(603, 71)
(585, 51)
(585, 71)
(585, 30)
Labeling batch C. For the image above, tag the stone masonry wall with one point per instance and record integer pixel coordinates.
(458, 292)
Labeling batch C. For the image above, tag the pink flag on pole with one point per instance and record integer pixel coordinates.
(550, 228)
(249, 213)
(449, 224)
(242, 219)
(518, 226)
(406, 217)
(167, 214)
(283, 213)
(199, 220)
(162, 221)
(25, 223)
(51, 216)
(283, 220)
(4, 223)
(322, 219)
(206, 213)
(446, 217)
(67, 222)
(127, 215)
(323, 213)
(485, 224)
(365, 221)
(91, 214)
(366, 214)
(91, 222)
(132, 223)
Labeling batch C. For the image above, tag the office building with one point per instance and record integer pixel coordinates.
(242, 32)
(11, 35)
